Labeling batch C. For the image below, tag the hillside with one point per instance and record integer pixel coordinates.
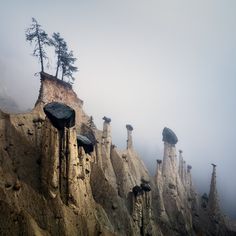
(60, 175)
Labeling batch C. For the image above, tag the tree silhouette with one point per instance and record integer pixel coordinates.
(68, 68)
(35, 34)
(60, 49)
(65, 59)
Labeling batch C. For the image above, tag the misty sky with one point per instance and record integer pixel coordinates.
(149, 63)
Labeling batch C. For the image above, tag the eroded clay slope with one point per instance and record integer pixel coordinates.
(60, 175)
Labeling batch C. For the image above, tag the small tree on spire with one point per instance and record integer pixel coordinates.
(35, 34)
(65, 59)
(68, 68)
(60, 49)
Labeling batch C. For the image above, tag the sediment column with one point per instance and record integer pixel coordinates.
(213, 203)
(106, 134)
(129, 137)
(181, 166)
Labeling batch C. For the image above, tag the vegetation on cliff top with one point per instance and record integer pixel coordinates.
(65, 58)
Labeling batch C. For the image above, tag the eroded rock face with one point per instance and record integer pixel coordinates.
(60, 175)
(142, 214)
(55, 90)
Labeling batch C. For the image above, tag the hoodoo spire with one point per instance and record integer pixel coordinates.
(213, 203)
(129, 136)
(106, 134)
(169, 166)
(181, 166)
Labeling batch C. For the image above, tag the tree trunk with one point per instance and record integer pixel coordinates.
(40, 50)
(58, 62)
(41, 58)
(57, 68)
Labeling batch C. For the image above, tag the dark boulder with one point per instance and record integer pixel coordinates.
(60, 115)
(169, 136)
(83, 141)
(214, 165)
(129, 127)
(204, 200)
(189, 168)
(106, 119)
(137, 191)
(159, 161)
(205, 197)
(146, 187)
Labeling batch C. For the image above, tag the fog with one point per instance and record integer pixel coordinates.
(148, 63)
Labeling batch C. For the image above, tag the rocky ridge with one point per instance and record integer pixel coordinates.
(53, 183)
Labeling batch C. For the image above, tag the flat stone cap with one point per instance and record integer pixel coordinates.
(169, 136)
(60, 115)
(129, 127)
(214, 165)
(106, 119)
(205, 196)
(137, 190)
(146, 187)
(83, 141)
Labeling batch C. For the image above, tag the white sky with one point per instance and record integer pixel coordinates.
(148, 63)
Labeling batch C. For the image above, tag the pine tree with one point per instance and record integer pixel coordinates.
(60, 49)
(35, 34)
(65, 59)
(68, 68)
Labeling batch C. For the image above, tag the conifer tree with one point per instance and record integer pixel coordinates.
(35, 34)
(60, 49)
(68, 68)
(65, 59)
